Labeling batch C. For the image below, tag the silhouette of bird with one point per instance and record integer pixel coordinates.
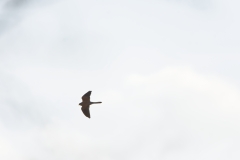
(86, 103)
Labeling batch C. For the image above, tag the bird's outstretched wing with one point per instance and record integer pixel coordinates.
(86, 111)
(86, 96)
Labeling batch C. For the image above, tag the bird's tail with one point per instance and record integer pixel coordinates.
(96, 102)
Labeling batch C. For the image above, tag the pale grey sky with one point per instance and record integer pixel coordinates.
(166, 72)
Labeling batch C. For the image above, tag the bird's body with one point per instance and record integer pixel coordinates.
(86, 103)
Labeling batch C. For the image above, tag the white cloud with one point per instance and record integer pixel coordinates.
(201, 110)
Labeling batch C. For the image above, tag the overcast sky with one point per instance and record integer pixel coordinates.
(167, 72)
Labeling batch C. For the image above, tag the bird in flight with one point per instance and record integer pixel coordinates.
(86, 103)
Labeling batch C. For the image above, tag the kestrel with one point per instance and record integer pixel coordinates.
(86, 103)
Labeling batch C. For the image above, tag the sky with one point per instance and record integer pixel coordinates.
(166, 72)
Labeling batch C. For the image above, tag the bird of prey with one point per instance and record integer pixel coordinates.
(86, 103)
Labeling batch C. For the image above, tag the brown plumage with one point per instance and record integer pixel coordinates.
(86, 103)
